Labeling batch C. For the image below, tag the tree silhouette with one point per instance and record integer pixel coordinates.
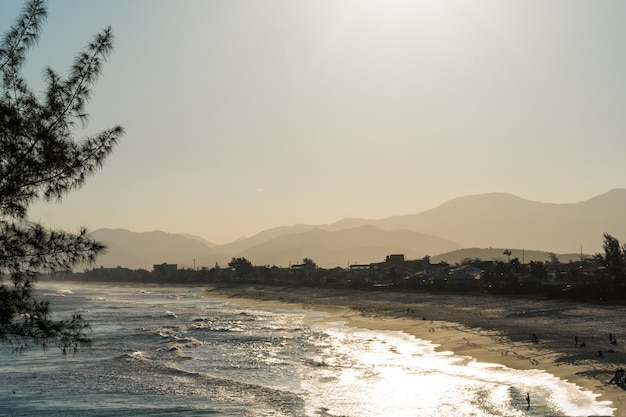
(538, 270)
(40, 159)
(613, 258)
(242, 266)
(309, 265)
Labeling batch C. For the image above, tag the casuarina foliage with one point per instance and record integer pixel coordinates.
(41, 159)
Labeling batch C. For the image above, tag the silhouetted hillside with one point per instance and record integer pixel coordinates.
(142, 250)
(481, 221)
(497, 254)
(328, 249)
(242, 245)
(504, 220)
(363, 244)
(498, 220)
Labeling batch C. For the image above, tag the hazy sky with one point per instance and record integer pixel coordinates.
(245, 115)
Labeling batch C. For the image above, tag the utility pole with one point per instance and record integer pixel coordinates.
(581, 261)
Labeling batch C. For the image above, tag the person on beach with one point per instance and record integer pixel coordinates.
(616, 377)
(528, 399)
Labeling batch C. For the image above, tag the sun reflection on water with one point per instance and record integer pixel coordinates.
(367, 373)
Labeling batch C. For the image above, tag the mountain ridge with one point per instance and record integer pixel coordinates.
(491, 220)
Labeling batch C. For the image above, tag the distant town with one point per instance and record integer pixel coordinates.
(600, 278)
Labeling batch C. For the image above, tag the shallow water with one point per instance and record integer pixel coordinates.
(175, 351)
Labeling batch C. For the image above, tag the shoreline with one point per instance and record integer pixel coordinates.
(489, 329)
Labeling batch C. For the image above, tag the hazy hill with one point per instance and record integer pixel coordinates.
(328, 249)
(497, 254)
(199, 239)
(496, 220)
(480, 221)
(242, 245)
(504, 220)
(142, 250)
(362, 244)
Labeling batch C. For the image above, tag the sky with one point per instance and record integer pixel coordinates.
(243, 115)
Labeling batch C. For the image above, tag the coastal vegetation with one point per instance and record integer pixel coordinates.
(40, 159)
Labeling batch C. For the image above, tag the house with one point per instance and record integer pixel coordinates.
(395, 260)
(164, 268)
(360, 267)
(465, 273)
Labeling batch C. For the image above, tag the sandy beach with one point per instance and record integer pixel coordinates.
(572, 340)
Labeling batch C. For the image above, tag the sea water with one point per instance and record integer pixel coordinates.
(161, 351)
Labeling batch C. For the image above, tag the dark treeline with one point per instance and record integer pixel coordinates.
(601, 278)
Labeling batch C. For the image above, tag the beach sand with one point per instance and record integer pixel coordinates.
(487, 328)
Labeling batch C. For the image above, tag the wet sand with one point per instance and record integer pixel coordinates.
(569, 336)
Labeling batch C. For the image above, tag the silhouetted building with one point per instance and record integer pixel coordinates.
(395, 260)
(164, 268)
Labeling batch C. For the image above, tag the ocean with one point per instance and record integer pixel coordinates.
(165, 351)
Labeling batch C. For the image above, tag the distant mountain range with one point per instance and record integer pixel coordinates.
(466, 227)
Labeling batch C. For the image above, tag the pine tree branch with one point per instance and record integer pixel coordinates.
(22, 35)
(85, 71)
(86, 162)
(33, 14)
(39, 158)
